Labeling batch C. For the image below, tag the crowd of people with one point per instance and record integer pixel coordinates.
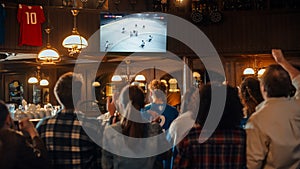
(258, 127)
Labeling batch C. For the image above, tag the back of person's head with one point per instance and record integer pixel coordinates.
(232, 114)
(276, 82)
(3, 113)
(158, 89)
(67, 90)
(133, 95)
(132, 100)
(250, 94)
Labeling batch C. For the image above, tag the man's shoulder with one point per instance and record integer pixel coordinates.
(257, 119)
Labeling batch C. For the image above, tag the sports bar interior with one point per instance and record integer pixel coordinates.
(242, 33)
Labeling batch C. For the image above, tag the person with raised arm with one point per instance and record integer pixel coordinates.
(273, 139)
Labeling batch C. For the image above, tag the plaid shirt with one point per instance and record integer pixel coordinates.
(68, 144)
(225, 149)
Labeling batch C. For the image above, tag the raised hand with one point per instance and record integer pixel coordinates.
(278, 56)
(280, 59)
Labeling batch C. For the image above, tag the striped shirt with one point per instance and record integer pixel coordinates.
(225, 149)
(67, 143)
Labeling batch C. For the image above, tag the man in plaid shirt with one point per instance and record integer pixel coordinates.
(225, 148)
(67, 143)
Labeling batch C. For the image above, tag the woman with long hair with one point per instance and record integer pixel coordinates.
(250, 96)
(124, 142)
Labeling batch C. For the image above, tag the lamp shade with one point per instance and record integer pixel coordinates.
(248, 71)
(75, 42)
(96, 84)
(140, 78)
(33, 80)
(44, 82)
(196, 75)
(261, 72)
(116, 78)
(48, 54)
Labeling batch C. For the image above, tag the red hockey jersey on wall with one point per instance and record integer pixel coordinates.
(30, 19)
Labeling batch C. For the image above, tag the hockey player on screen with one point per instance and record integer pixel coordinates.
(143, 44)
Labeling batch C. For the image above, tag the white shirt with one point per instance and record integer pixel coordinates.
(180, 127)
(273, 133)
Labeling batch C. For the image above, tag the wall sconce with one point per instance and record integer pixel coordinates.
(196, 79)
(110, 88)
(35, 80)
(48, 55)
(75, 42)
(173, 85)
(196, 75)
(96, 84)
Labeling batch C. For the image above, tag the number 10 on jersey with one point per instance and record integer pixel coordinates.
(31, 18)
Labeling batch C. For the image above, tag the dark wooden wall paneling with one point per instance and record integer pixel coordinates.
(239, 32)
(255, 32)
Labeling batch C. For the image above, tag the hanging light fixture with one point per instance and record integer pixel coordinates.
(35, 80)
(255, 70)
(249, 70)
(48, 55)
(75, 42)
(44, 82)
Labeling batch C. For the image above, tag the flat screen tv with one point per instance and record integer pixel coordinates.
(138, 32)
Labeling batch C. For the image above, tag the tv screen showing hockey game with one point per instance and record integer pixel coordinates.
(139, 32)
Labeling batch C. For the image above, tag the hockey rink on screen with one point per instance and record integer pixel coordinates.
(128, 35)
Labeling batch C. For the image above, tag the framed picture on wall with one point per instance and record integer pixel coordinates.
(46, 95)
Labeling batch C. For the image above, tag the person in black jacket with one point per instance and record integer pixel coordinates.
(16, 150)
